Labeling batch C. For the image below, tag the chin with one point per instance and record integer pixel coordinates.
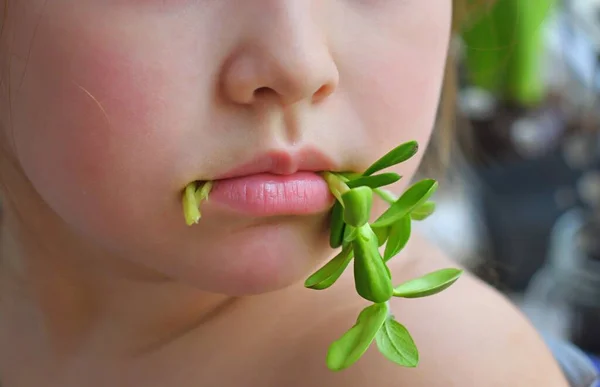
(256, 259)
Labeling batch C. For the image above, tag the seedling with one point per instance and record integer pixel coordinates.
(360, 241)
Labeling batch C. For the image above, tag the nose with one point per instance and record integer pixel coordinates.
(287, 58)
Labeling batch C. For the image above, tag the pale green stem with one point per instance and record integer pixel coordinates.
(203, 191)
(336, 184)
(190, 205)
(386, 195)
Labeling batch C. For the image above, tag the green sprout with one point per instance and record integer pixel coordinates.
(360, 241)
(193, 195)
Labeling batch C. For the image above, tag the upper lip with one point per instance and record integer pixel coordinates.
(282, 162)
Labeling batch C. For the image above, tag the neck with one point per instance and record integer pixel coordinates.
(58, 304)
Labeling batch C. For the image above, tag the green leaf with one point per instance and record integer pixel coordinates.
(395, 156)
(353, 344)
(203, 192)
(357, 206)
(387, 196)
(350, 234)
(336, 183)
(190, 205)
(389, 274)
(371, 275)
(411, 199)
(350, 175)
(396, 344)
(382, 234)
(398, 237)
(337, 225)
(424, 211)
(328, 274)
(375, 181)
(429, 284)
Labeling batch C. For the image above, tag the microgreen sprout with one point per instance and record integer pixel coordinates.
(193, 195)
(360, 241)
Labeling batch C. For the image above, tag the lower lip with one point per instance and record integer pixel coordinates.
(301, 193)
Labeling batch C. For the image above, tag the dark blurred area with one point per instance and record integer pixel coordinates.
(525, 213)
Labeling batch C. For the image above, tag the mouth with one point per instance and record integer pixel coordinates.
(276, 183)
(282, 163)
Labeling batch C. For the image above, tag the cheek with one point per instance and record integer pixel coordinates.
(404, 86)
(400, 78)
(95, 135)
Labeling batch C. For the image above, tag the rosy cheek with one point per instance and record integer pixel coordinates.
(103, 115)
(90, 131)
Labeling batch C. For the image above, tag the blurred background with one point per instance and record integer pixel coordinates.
(521, 203)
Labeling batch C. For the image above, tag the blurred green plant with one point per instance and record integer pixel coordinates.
(505, 49)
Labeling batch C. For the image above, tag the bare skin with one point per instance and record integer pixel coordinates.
(110, 107)
(468, 335)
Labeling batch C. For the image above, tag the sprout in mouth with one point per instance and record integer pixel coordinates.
(193, 195)
(360, 240)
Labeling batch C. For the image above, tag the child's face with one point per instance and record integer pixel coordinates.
(117, 104)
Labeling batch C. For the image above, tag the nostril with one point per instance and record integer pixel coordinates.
(263, 92)
(323, 92)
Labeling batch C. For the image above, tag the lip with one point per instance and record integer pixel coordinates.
(282, 163)
(276, 183)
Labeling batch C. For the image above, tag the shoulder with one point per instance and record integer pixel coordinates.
(468, 335)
